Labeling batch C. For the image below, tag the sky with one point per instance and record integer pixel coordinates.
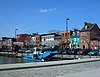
(40, 16)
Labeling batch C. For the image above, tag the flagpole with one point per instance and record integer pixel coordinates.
(15, 33)
(67, 31)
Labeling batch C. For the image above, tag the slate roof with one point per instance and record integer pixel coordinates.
(88, 27)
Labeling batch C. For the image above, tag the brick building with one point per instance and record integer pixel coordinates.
(66, 39)
(38, 40)
(89, 34)
(25, 38)
(66, 36)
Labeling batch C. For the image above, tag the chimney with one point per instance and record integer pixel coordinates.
(85, 23)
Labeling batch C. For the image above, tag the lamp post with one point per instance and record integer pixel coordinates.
(15, 32)
(67, 31)
(98, 42)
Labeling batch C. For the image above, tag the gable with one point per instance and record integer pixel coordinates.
(88, 27)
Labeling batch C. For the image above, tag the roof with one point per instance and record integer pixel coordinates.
(7, 38)
(88, 27)
(74, 36)
(50, 34)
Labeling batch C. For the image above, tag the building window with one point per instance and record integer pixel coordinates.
(49, 37)
(62, 34)
(77, 32)
(73, 33)
(68, 34)
(75, 39)
(84, 41)
(78, 39)
(65, 35)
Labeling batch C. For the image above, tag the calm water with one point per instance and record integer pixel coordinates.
(10, 60)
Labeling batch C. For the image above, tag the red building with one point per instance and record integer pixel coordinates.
(25, 38)
(88, 35)
(94, 44)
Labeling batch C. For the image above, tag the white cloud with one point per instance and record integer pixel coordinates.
(43, 10)
(54, 9)
(47, 10)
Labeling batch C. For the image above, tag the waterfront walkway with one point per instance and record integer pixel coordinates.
(90, 73)
(45, 64)
(69, 68)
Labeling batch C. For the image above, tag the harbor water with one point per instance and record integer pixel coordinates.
(10, 60)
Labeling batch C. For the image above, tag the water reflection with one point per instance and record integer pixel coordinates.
(10, 60)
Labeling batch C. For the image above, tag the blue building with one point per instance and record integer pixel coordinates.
(75, 39)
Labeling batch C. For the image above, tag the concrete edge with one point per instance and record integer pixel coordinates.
(6, 67)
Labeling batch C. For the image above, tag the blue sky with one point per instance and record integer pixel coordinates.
(32, 16)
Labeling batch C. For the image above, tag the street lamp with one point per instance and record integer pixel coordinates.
(67, 30)
(98, 42)
(15, 32)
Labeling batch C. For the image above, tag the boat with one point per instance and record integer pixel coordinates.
(43, 56)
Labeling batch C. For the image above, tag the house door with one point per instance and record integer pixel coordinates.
(83, 46)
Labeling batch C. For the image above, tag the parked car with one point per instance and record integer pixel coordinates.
(0, 49)
(99, 52)
(66, 51)
(94, 52)
(75, 51)
(84, 51)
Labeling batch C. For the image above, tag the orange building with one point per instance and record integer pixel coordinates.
(38, 40)
(66, 38)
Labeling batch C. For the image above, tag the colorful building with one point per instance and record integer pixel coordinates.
(75, 39)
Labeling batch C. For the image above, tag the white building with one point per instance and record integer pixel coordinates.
(49, 39)
(33, 40)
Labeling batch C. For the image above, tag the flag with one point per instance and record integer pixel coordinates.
(67, 18)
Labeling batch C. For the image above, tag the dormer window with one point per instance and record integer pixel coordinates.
(86, 27)
(73, 33)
